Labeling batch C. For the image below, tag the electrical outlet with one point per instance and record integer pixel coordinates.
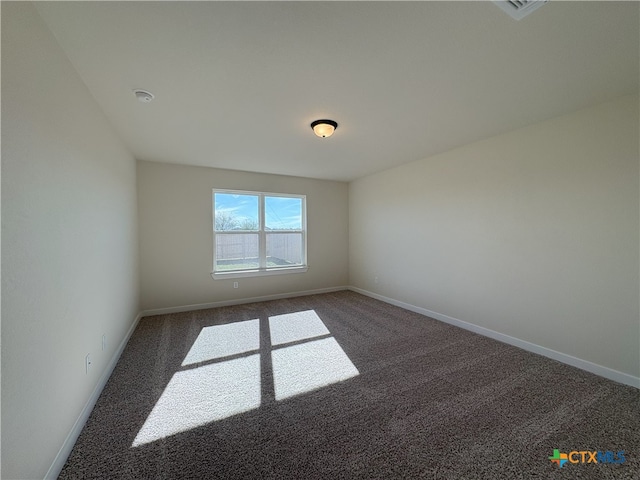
(235, 284)
(104, 342)
(376, 279)
(87, 362)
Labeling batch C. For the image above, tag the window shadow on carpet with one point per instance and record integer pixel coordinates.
(236, 367)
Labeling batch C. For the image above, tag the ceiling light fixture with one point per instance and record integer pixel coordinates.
(324, 128)
(143, 96)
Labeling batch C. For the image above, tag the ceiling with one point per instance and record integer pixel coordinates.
(238, 83)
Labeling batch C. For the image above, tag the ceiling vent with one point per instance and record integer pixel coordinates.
(519, 9)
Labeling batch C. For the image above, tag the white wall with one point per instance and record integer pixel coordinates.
(176, 235)
(533, 234)
(69, 244)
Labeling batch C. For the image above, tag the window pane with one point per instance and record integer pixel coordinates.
(236, 212)
(283, 213)
(284, 249)
(236, 251)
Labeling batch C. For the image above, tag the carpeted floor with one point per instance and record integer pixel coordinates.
(343, 386)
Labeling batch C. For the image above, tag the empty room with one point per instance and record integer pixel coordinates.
(318, 240)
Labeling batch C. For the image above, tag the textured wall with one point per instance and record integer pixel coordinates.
(69, 244)
(533, 234)
(176, 234)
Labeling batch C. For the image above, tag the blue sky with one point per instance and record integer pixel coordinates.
(282, 213)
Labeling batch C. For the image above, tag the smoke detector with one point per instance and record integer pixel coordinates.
(519, 9)
(143, 96)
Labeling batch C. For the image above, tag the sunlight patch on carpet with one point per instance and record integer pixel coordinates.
(218, 341)
(301, 352)
(202, 395)
(301, 368)
(296, 326)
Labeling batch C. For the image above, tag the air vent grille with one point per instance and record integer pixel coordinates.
(519, 9)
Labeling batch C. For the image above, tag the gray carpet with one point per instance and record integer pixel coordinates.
(353, 388)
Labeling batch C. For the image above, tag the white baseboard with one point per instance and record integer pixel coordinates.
(241, 301)
(67, 446)
(591, 367)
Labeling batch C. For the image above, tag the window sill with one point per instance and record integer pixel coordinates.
(258, 273)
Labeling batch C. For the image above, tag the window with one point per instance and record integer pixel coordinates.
(258, 233)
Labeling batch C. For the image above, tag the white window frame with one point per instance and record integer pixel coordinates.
(262, 270)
